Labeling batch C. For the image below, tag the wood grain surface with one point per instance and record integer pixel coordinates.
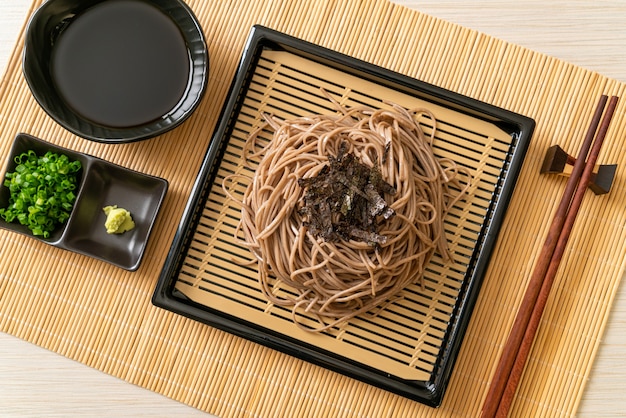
(590, 34)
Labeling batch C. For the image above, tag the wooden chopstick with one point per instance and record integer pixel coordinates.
(531, 330)
(515, 352)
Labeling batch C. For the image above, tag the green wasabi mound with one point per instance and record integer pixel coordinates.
(118, 220)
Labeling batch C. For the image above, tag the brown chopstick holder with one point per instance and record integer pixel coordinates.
(558, 161)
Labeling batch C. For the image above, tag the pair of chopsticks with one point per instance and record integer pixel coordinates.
(515, 352)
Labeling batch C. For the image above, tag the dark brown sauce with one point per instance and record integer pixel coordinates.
(121, 63)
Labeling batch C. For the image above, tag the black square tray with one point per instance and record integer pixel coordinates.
(411, 349)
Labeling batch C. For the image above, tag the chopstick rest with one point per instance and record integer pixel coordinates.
(558, 161)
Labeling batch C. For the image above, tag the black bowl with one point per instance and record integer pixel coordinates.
(116, 71)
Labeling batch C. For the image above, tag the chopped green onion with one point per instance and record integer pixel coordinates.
(41, 191)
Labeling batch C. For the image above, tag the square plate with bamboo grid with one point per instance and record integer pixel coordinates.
(410, 346)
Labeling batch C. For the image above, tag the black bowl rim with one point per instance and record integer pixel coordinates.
(34, 70)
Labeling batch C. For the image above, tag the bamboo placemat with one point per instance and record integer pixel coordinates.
(101, 316)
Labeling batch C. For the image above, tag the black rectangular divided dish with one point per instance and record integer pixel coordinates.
(100, 183)
(410, 347)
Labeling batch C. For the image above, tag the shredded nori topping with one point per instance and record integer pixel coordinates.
(345, 200)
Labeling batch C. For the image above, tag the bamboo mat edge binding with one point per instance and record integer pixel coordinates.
(102, 316)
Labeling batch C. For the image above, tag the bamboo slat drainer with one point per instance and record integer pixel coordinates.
(102, 316)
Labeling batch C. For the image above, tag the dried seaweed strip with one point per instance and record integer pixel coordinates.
(345, 200)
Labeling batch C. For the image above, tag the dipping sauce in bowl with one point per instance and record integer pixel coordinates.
(122, 63)
(116, 71)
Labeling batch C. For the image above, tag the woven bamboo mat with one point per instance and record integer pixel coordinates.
(101, 316)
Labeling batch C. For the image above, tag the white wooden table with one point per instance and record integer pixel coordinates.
(590, 33)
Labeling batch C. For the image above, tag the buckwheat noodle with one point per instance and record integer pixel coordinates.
(335, 281)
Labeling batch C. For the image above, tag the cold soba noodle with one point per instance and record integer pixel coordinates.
(333, 267)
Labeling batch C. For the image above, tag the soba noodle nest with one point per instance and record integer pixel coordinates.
(336, 281)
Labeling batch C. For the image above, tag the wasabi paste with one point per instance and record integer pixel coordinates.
(118, 220)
